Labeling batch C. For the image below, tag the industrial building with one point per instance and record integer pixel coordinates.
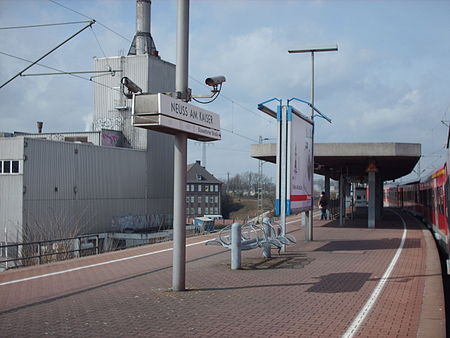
(95, 181)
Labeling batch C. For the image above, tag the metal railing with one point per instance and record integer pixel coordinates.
(40, 252)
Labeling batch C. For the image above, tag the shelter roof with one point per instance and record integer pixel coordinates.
(393, 160)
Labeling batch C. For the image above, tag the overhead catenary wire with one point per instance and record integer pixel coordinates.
(83, 15)
(240, 135)
(125, 38)
(48, 53)
(236, 103)
(60, 71)
(98, 42)
(45, 25)
(101, 48)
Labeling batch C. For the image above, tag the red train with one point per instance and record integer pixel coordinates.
(428, 199)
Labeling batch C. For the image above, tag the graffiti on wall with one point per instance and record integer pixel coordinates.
(141, 222)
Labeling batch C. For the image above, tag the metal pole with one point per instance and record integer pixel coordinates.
(309, 228)
(182, 67)
(6, 248)
(236, 229)
(283, 174)
(180, 153)
(267, 234)
(179, 213)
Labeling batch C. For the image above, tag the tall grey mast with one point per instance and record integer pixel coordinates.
(143, 42)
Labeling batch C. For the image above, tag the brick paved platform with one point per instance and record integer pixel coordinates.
(315, 289)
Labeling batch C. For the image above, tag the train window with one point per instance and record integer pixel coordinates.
(440, 200)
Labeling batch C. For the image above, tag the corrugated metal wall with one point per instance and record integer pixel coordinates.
(85, 186)
(11, 187)
(113, 111)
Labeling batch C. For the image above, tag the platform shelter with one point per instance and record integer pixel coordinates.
(370, 163)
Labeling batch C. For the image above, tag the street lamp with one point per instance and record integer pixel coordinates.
(312, 50)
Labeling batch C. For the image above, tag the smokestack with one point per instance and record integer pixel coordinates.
(39, 126)
(143, 42)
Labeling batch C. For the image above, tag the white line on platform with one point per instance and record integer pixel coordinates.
(359, 319)
(94, 265)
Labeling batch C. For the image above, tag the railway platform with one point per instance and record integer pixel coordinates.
(351, 281)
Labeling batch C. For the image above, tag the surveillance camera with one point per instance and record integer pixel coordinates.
(131, 86)
(215, 81)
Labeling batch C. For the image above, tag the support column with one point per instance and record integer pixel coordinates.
(328, 194)
(327, 186)
(379, 197)
(341, 199)
(372, 197)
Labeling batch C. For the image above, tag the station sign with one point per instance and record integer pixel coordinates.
(163, 113)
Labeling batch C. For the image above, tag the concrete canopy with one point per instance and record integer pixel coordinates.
(393, 160)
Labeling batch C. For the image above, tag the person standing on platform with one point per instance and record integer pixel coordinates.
(323, 203)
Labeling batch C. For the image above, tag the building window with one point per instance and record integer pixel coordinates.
(199, 210)
(211, 188)
(6, 167)
(15, 167)
(76, 139)
(206, 188)
(216, 199)
(199, 199)
(217, 188)
(192, 187)
(187, 211)
(216, 211)
(187, 187)
(192, 211)
(187, 199)
(192, 199)
(9, 167)
(199, 187)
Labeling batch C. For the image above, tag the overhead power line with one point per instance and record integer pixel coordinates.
(83, 15)
(46, 54)
(45, 25)
(237, 103)
(62, 72)
(243, 136)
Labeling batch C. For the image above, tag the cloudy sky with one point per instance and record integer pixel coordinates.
(389, 81)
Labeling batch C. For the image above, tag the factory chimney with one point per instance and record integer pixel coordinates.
(39, 126)
(143, 42)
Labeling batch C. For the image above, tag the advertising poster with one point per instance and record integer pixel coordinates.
(301, 165)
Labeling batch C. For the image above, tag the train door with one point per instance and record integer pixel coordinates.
(447, 214)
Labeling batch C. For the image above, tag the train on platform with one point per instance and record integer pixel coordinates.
(427, 199)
